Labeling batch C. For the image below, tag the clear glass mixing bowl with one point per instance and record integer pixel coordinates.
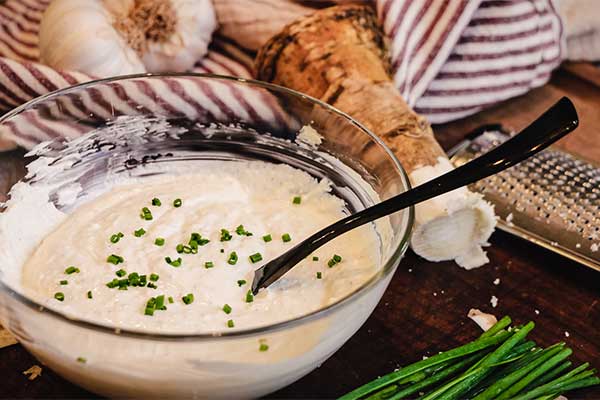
(126, 125)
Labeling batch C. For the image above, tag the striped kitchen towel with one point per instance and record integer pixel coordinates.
(450, 58)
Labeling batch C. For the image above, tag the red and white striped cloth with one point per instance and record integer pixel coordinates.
(451, 58)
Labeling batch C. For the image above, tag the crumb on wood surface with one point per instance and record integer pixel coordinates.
(33, 372)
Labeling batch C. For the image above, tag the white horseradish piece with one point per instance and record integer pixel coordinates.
(198, 243)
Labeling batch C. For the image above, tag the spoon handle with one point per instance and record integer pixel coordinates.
(555, 123)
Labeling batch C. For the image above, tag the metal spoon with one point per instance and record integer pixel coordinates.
(556, 122)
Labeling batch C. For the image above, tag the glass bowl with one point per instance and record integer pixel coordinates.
(126, 126)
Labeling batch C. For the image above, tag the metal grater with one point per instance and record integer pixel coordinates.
(551, 199)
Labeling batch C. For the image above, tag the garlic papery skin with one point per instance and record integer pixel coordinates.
(115, 37)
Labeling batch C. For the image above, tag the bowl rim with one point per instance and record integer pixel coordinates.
(387, 268)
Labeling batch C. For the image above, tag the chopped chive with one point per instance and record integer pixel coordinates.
(173, 263)
(242, 232)
(151, 285)
(225, 235)
(188, 298)
(263, 347)
(64, 282)
(154, 277)
(116, 237)
(179, 248)
(196, 240)
(89, 294)
(209, 264)
(256, 257)
(171, 301)
(114, 259)
(227, 309)
(112, 284)
(241, 282)
(233, 258)
(139, 233)
(81, 360)
(60, 296)
(134, 279)
(315, 258)
(71, 270)
(297, 200)
(160, 302)
(334, 260)
(286, 237)
(177, 203)
(319, 275)
(146, 214)
(120, 273)
(143, 280)
(230, 323)
(149, 311)
(159, 241)
(249, 296)
(156, 202)
(267, 238)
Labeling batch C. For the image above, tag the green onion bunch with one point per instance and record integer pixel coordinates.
(500, 364)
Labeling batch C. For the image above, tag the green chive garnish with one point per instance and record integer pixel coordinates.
(263, 347)
(209, 264)
(116, 237)
(315, 258)
(233, 258)
(71, 270)
(225, 235)
(297, 200)
(179, 248)
(120, 273)
(81, 360)
(177, 203)
(64, 282)
(89, 294)
(156, 202)
(60, 296)
(267, 238)
(249, 296)
(256, 257)
(151, 285)
(242, 232)
(173, 263)
(159, 241)
(230, 323)
(139, 233)
(286, 237)
(227, 309)
(319, 275)
(188, 299)
(146, 214)
(171, 301)
(160, 302)
(334, 260)
(115, 259)
(154, 277)
(241, 282)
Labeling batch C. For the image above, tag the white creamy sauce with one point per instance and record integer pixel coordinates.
(218, 195)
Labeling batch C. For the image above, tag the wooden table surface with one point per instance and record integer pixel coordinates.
(424, 309)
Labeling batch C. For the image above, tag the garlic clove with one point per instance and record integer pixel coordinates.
(196, 23)
(78, 35)
(116, 37)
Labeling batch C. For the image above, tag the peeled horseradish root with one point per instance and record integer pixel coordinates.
(116, 37)
(338, 55)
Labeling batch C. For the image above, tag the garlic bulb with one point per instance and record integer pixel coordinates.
(116, 37)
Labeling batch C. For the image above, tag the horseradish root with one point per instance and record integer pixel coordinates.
(339, 55)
